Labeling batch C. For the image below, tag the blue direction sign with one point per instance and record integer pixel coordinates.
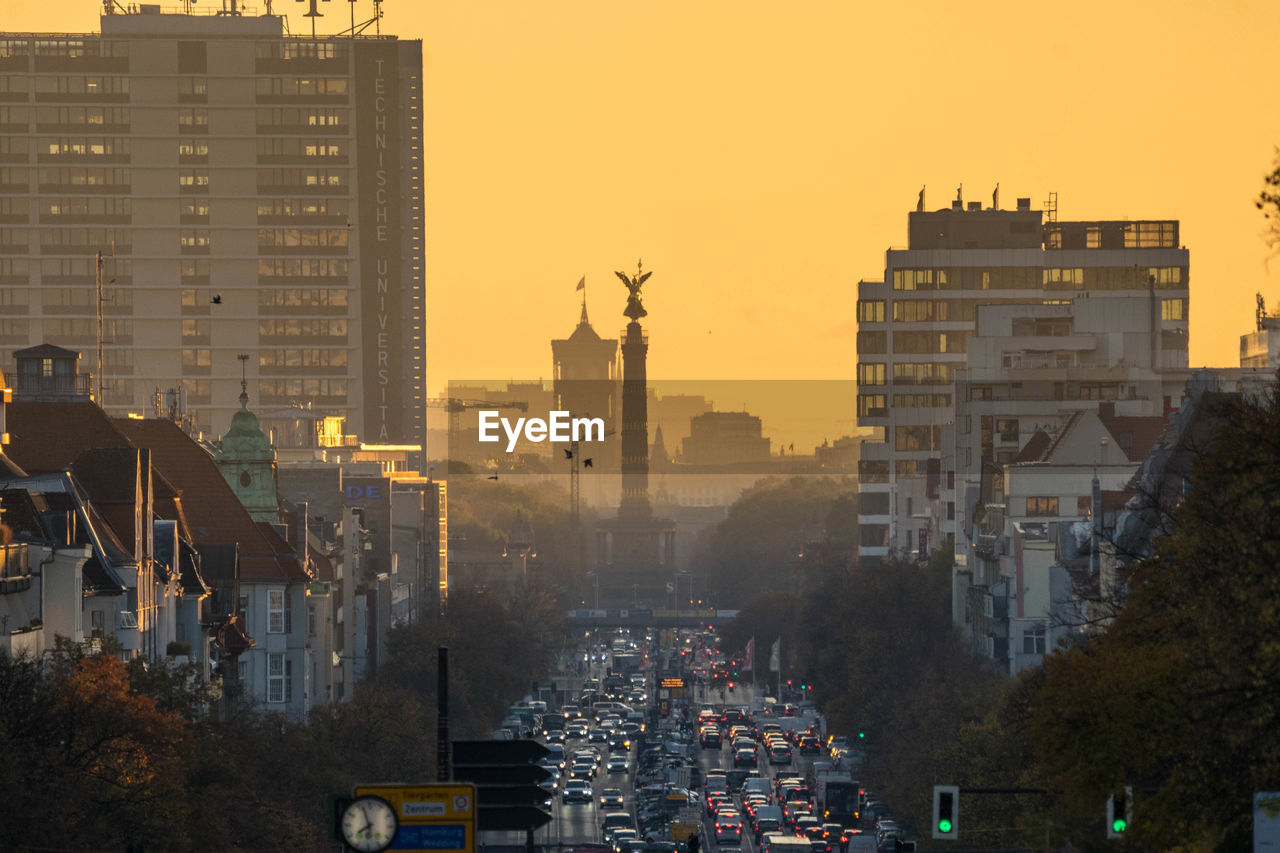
(431, 837)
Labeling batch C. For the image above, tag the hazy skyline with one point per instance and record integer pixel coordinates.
(760, 158)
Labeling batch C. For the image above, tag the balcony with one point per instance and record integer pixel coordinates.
(43, 389)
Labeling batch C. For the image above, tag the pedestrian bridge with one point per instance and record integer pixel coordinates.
(641, 618)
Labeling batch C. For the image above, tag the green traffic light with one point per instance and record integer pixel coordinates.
(861, 735)
(1119, 825)
(944, 825)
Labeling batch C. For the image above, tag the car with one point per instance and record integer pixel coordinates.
(619, 742)
(621, 836)
(728, 827)
(582, 770)
(617, 764)
(780, 754)
(597, 735)
(710, 738)
(576, 791)
(611, 799)
(744, 757)
(556, 736)
(589, 754)
(808, 826)
(809, 745)
(614, 821)
(575, 730)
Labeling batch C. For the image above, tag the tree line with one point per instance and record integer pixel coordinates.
(1177, 697)
(100, 754)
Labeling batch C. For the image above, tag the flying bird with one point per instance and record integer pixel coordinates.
(493, 476)
(568, 454)
(217, 299)
(586, 463)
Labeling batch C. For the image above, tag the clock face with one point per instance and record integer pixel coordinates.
(369, 824)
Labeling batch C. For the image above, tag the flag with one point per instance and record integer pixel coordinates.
(995, 198)
(775, 656)
(751, 655)
(582, 283)
(920, 202)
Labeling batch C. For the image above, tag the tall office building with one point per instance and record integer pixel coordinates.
(914, 328)
(250, 192)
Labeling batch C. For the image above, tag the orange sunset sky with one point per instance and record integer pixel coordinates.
(761, 156)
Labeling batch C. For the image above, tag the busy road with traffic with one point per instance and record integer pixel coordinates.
(661, 744)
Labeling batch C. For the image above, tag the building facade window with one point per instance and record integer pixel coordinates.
(924, 437)
(871, 373)
(1042, 505)
(871, 310)
(275, 678)
(873, 470)
(275, 611)
(1033, 640)
(1173, 309)
(871, 406)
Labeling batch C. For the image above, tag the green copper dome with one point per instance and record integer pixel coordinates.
(245, 441)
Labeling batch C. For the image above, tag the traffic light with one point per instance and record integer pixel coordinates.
(946, 812)
(1119, 812)
(862, 735)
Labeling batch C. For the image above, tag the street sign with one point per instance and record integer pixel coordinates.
(673, 682)
(497, 753)
(511, 795)
(433, 818)
(506, 776)
(516, 774)
(513, 818)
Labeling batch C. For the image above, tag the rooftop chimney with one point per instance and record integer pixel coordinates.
(975, 205)
(1024, 204)
(957, 204)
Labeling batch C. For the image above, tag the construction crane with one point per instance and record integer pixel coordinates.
(455, 407)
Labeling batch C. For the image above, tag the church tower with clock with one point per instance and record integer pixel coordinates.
(248, 463)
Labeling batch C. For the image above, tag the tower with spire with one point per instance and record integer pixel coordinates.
(248, 461)
(585, 372)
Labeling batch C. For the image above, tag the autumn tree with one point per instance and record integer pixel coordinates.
(87, 757)
(1179, 696)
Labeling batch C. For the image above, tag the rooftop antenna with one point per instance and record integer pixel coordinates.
(244, 376)
(1262, 311)
(358, 29)
(1051, 208)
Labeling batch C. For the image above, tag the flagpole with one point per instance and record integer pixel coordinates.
(753, 665)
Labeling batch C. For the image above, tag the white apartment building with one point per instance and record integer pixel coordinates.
(915, 328)
(237, 191)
